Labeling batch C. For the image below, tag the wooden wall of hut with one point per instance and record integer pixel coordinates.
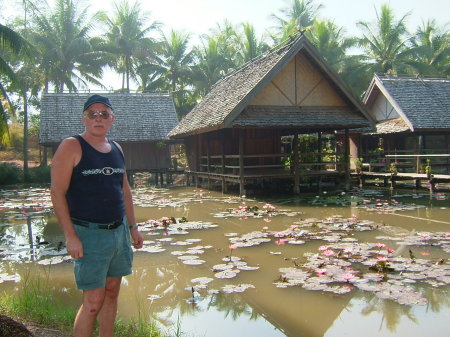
(226, 142)
(141, 156)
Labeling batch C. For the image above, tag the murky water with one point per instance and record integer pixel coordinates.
(274, 251)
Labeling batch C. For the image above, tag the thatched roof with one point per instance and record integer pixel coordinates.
(422, 103)
(139, 117)
(226, 105)
(296, 116)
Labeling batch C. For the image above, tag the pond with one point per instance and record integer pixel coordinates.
(368, 262)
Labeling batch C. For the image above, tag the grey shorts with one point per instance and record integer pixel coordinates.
(106, 253)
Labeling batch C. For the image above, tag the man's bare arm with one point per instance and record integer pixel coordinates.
(63, 162)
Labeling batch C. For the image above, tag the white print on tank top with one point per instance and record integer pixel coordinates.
(107, 171)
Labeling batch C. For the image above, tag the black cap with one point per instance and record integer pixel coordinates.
(97, 99)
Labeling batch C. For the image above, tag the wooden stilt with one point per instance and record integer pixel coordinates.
(296, 166)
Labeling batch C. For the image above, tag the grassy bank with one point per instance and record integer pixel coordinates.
(34, 300)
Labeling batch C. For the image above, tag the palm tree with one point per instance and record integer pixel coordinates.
(331, 43)
(297, 17)
(173, 59)
(127, 40)
(250, 46)
(11, 43)
(68, 58)
(334, 47)
(210, 65)
(172, 68)
(431, 46)
(386, 43)
(219, 53)
(228, 42)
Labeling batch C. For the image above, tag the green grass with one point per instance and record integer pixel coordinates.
(35, 301)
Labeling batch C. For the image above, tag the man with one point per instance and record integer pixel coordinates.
(93, 203)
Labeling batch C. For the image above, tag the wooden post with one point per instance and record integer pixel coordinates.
(241, 162)
(197, 153)
(198, 147)
(208, 160)
(319, 158)
(319, 149)
(419, 151)
(296, 166)
(347, 160)
(222, 135)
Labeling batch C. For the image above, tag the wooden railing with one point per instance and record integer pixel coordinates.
(410, 163)
(229, 164)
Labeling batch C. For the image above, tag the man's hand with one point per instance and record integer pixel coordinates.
(138, 240)
(74, 247)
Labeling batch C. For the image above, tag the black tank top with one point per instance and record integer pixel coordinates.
(95, 192)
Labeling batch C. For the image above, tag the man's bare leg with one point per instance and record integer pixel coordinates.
(88, 312)
(108, 312)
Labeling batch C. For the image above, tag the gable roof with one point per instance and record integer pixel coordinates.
(423, 103)
(139, 117)
(229, 97)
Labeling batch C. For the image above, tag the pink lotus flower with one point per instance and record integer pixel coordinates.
(269, 207)
(267, 220)
(380, 245)
(232, 247)
(328, 253)
(425, 253)
(348, 250)
(425, 235)
(348, 276)
(280, 242)
(322, 248)
(321, 272)
(265, 228)
(390, 250)
(382, 258)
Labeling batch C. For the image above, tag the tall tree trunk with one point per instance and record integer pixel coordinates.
(25, 136)
(127, 66)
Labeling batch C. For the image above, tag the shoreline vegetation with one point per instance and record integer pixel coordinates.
(44, 315)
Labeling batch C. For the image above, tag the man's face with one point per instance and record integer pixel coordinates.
(98, 118)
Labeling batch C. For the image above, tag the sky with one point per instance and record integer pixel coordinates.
(199, 16)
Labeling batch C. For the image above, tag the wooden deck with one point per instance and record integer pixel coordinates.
(418, 178)
(256, 175)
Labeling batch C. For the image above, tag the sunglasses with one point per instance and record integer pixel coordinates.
(94, 114)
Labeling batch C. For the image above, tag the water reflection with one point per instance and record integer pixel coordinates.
(162, 285)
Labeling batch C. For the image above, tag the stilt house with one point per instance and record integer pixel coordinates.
(413, 124)
(141, 125)
(236, 133)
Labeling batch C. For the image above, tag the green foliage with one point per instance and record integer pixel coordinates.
(393, 168)
(428, 167)
(70, 56)
(160, 144)
(40, 174)
(10, 174)
(358, 164)
(13, 174)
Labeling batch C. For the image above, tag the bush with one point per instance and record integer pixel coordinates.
(10, 174)
(40, 174)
